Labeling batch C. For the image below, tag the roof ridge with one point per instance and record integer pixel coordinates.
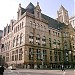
(50, 17)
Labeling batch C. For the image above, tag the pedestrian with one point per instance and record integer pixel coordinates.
(62, 67)
(1, 70)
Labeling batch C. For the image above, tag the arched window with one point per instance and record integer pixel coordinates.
(41, 27)
(9, 44)
(17, 40)
(34, 25)
(65, 42)
(44, 28)
(21, 38)
(22, 24)
(37, 26)
(31, 37)
(30, 23)
(18, 27)
(44, 40)
(14, 30)
(38, 14)
(20, 54)
(54, 42)
(5, 46)
(14, 42)
(38, 39)
(58, 42)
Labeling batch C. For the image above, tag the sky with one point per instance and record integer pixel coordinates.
(9, 8)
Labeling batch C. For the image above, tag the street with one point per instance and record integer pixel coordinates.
(38, 72)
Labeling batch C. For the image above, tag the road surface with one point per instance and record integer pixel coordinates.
(38, 72)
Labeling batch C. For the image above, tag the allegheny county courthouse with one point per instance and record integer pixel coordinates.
(36, 40)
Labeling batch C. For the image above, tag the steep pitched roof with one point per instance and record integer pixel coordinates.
(52, 22)
(30, 8)
(23, 11)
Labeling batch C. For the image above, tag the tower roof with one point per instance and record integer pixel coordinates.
(62, 8)
(53, 23)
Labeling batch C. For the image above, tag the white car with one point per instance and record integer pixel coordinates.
(12, 67)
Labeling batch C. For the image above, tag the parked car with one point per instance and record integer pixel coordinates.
(12, 67)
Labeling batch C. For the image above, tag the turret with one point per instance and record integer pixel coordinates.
(19, 11)
(63, 15)
(37, 11)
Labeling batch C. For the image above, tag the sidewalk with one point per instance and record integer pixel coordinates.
(35, 71)
(45, 71)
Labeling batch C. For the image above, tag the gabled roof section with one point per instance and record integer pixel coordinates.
(62, 8)
(23, 11)
(30, 8)
(53, 23)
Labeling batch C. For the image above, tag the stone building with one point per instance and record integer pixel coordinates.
(72, 21)
(36, 40)
(1, 32)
